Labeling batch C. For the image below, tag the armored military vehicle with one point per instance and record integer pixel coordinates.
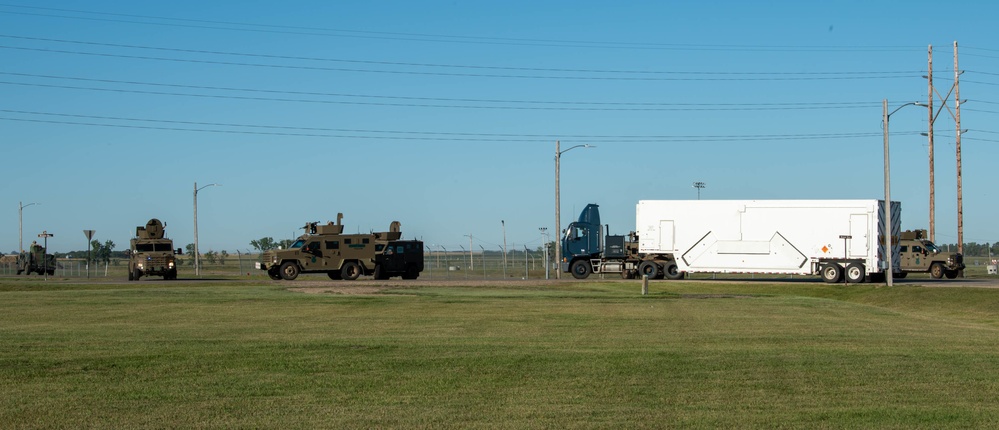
(919, 254)
(325, 249)
(36, 261)
(151, 253)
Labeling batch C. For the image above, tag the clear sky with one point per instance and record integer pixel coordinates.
(443, 115)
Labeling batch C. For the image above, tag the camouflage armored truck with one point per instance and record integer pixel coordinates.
(36, 261)
(919, 254)
(151, 253)
(325, 249)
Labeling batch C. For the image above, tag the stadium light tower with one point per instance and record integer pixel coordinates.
(700, 186)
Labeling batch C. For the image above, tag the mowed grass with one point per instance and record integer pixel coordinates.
(579, 355)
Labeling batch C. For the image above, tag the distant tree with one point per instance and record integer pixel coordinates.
(222, 256)
(102, 252)
(263, 244)
(211, 256)
(190, 251)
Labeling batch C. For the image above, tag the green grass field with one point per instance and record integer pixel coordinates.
(593, 354)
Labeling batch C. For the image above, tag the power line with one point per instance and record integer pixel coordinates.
(424, 135)
(453, 74)
(439, 38)
(631, 106)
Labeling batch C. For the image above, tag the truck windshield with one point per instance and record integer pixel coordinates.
(298, 244)
(930, 246)
(153, 247)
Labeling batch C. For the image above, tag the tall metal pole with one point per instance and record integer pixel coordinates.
(929, 134)
(957, 143)
(197, 263)
(544, 248)
(483, 261)
(463, 262)
(20, 225)
(504, 247)
(471, 265)
(558, 215)
(887, 204)
(197, 254)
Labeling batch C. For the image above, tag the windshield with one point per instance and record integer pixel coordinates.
(298, 244)
(931, 247)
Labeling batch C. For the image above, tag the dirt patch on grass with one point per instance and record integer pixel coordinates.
(364, 290)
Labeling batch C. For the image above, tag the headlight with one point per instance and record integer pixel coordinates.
(170, 265)
(140, 266)
(274, 260)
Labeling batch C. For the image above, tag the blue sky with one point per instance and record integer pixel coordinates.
(443, 115)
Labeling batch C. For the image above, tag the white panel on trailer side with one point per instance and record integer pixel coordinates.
(764, 236)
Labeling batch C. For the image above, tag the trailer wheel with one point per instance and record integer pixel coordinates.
(855, 273)
(350, 271)
(648, 268)
(672, 272)
(289, 270)
(581, 269)
(831, 273)
(937, 270)
(951, 274)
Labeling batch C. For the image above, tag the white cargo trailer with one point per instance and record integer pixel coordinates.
(830, 238)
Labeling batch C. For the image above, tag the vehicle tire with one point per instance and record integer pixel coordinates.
(350, 271)
(649, 268)
(581, 269)
(672, 272)
(130, 276)
(289, 270)
(274, 273)
(951, 274)
(171, 275)
(379, 273)
(855, 273)
(334, 275)
(831, 273)
(901, 275)
(411, 273)
(136, 274)
(937, 270)
(20, 271)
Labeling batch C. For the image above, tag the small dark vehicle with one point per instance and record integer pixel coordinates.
(36, 261)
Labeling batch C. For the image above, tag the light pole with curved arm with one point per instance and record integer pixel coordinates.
(558, 205)
(20, 224)
(197, 256)
(887, 208)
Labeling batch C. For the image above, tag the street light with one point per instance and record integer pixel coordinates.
(20, 224)
(887, 208)
(558, 205)
(700, 186)
(197, 256)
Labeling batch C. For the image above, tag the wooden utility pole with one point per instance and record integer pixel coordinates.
(929, 134)
(957, 143)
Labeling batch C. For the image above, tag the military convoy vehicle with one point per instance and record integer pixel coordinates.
(36, 261)
(919, 254)
(151, 253)
(325, 249)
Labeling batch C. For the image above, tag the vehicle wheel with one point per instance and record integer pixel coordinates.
(831, 273)
(289, 270)
(274, 273)
(379, 273)
(648, 268)
(136, 274)
(411, 273)
(130, 276)
(901, 275)
(334, 275)
(672, 272)
(350, 271)
(937, 270)
(581, 269)
(20, 271)
(171, 275)
(855, 273)
(951, 274)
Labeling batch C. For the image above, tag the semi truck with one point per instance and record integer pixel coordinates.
(325, 249)
(838, 240)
